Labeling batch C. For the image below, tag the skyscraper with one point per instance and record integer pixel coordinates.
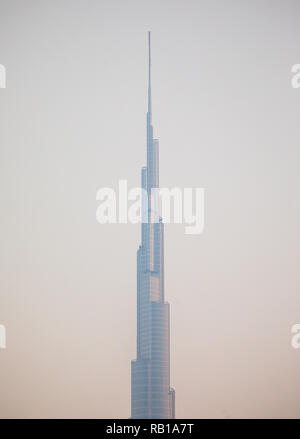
(151, 394)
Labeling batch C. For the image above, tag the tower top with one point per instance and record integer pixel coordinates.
(149, 77)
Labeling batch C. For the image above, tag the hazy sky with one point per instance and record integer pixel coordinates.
(72, 120)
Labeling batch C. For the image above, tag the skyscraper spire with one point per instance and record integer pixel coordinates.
(149, 78)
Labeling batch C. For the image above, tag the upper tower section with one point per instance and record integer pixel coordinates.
(152, 144)
(149, 80)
